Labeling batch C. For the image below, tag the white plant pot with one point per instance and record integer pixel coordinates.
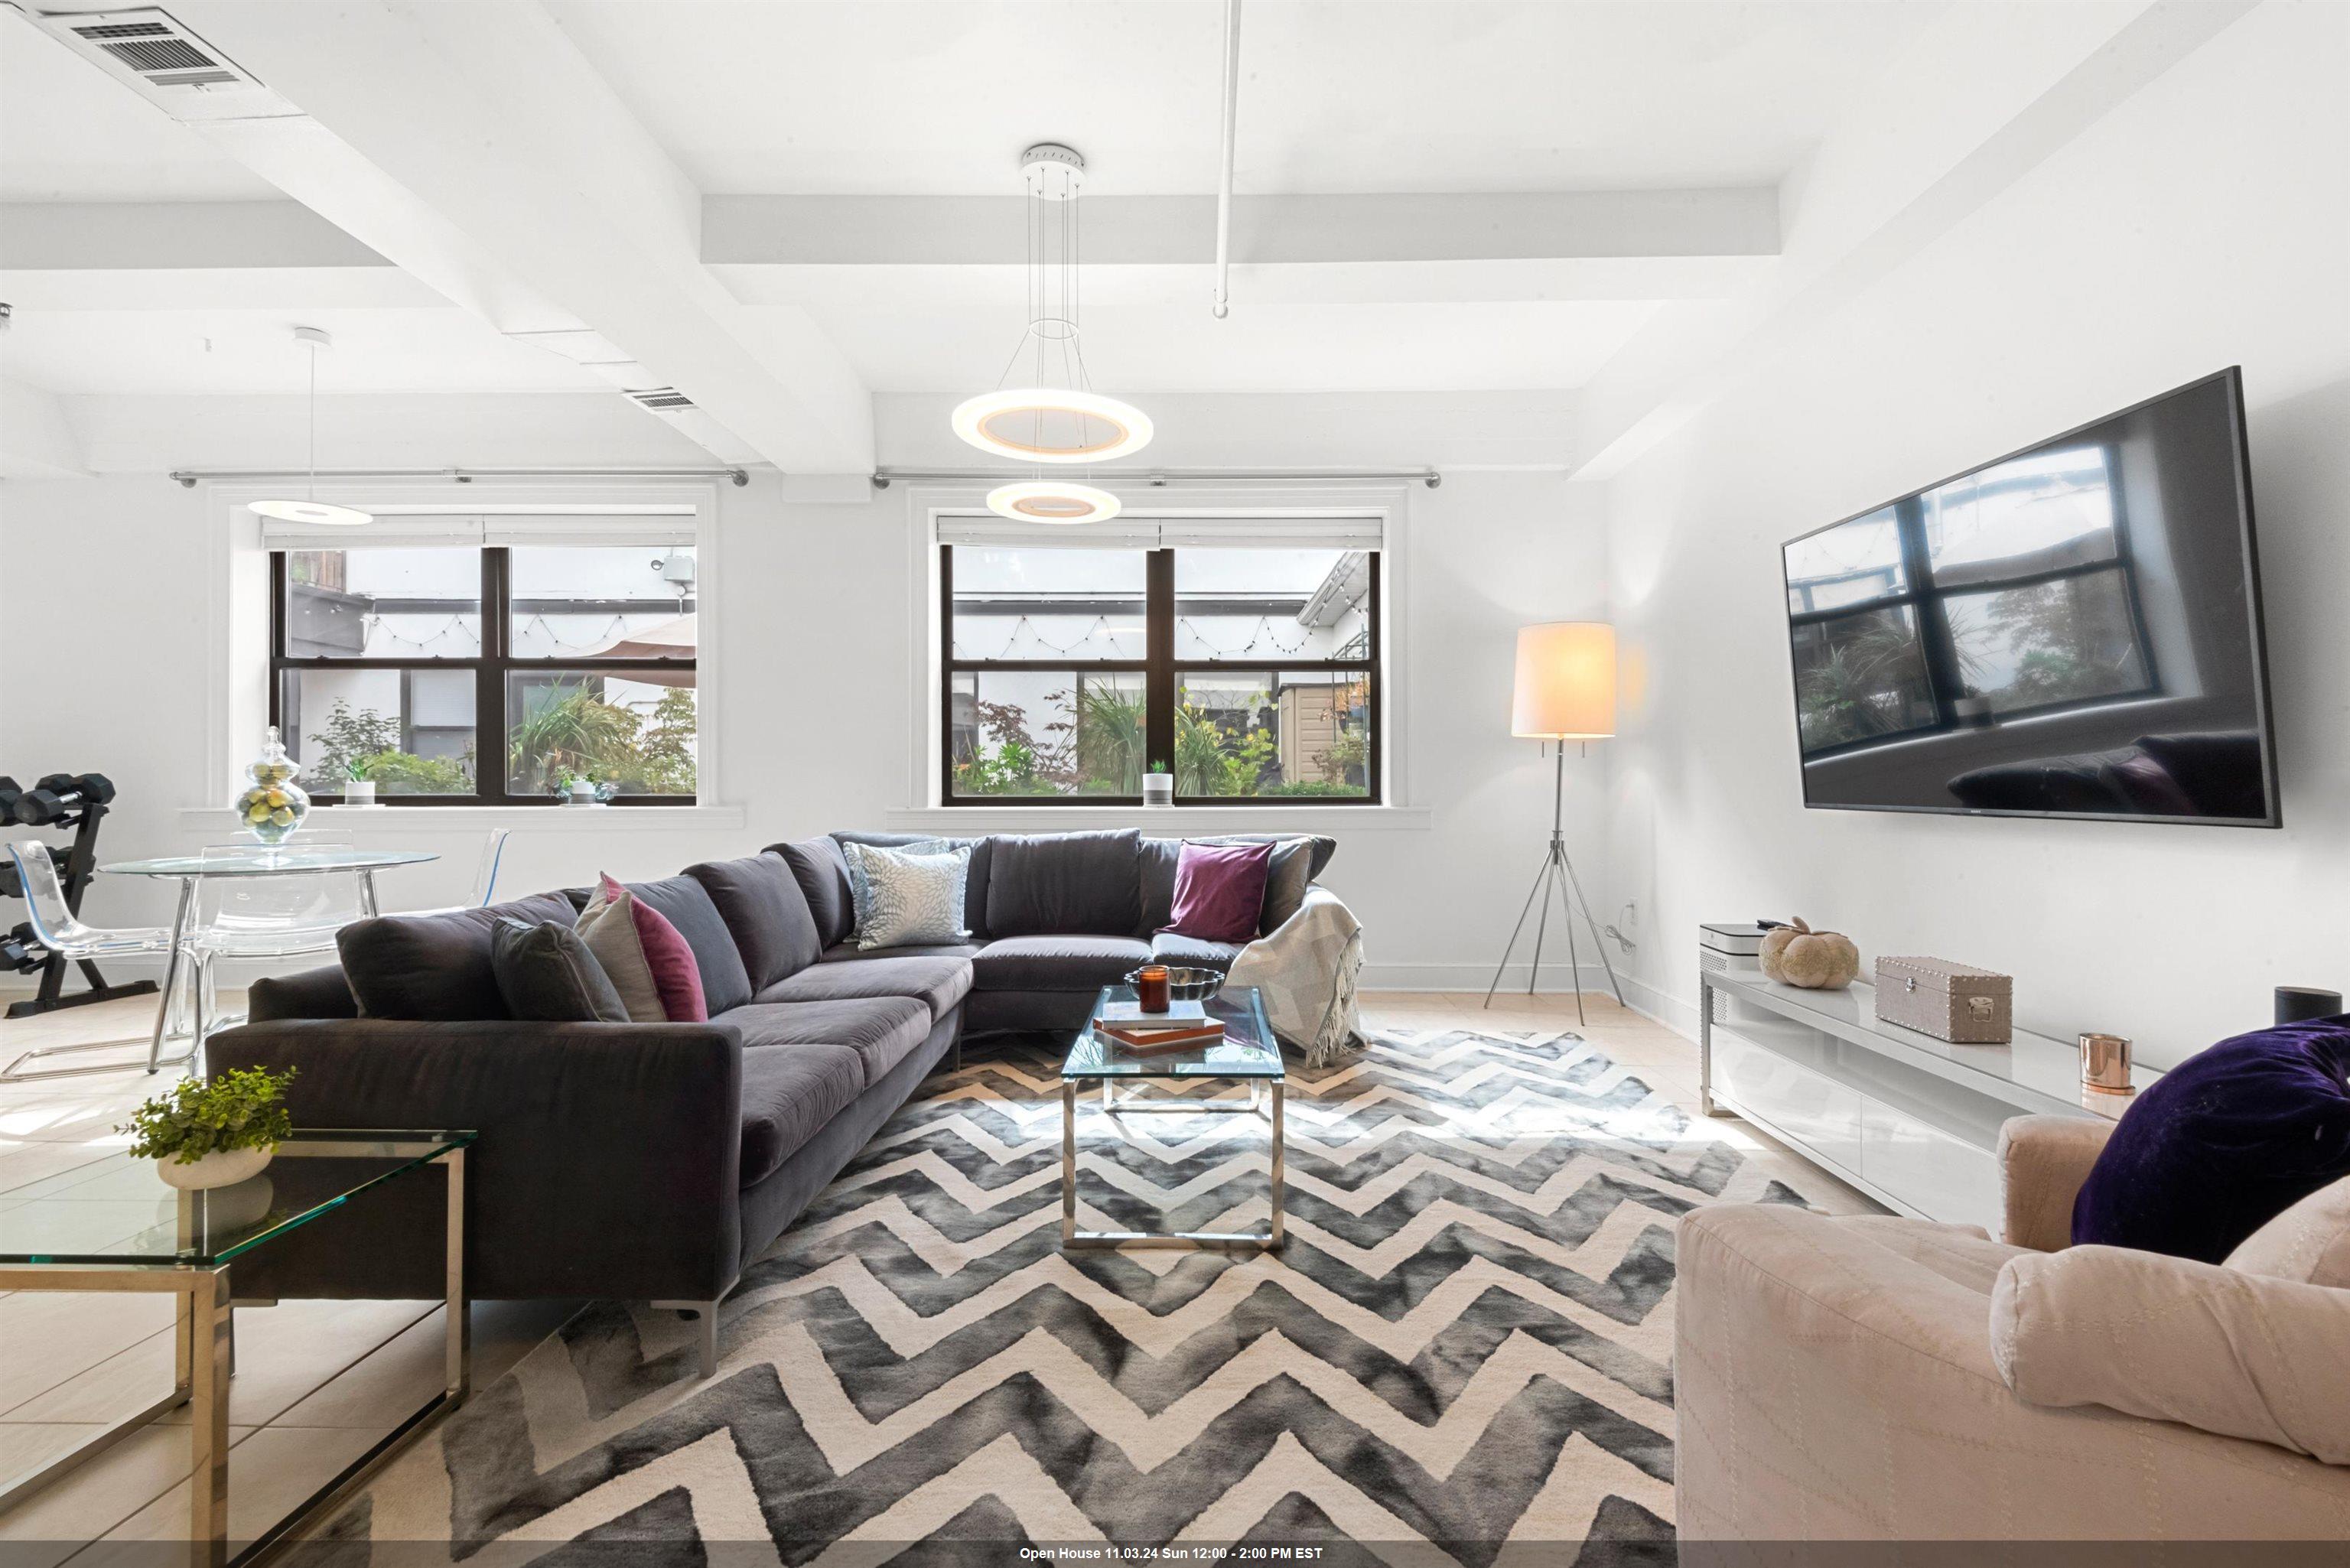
(358, 791)
(224, 1168)
(1158, 789)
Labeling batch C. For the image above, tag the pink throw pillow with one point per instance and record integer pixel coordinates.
(1220, 891)
(676, 978)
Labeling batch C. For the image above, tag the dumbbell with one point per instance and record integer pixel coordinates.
(60, 796)
(22, 951)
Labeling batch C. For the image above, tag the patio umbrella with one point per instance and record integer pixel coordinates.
(668, 640)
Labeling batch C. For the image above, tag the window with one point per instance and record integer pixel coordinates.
(1250, 674)
(2011, 591)
(472, 675)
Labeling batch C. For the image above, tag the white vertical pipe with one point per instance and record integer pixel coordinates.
(1223, 304)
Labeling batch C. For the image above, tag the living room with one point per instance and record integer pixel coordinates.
(805, 478)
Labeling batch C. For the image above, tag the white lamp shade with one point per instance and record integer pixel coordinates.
(1565, 687)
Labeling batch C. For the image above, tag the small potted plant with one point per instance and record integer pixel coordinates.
(1158, 786)
(577, 789)
(357, 788)
(213, 1132)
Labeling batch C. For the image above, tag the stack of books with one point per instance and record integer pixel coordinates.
(1184, 1026)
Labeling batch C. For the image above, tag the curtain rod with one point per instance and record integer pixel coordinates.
(884, 477)
(189, 476)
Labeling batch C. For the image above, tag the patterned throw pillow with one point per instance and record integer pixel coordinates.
(906, 898)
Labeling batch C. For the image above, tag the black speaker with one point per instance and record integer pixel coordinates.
(2299, 1003)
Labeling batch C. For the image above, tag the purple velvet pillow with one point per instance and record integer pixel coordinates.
(1220, 891)
(2223, 1142)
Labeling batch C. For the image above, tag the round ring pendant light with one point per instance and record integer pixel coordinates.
(1050, 500)
(1056, 418)
(310, 509)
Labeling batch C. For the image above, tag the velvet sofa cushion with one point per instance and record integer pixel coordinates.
(765, 913)
(982, 858)
(938, 983)
(1072, 963)
(546, 975)
(1191, 952)
(789, 1092)
(685, 904)
(880, 1029)
(849, 952)
(1060, 883)
(822, 871)
(1220, 891)
(2223, 1142)
(434, 967)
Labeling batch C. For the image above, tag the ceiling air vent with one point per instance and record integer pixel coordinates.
(660, 399)
(168, 64)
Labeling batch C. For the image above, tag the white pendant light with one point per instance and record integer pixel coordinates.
(310, 509)
(1050, 500)
(1056, 417)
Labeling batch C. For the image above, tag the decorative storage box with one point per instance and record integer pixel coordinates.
(1953, 1002)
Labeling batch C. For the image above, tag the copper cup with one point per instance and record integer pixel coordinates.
(1151, 987)
(2106, 1064)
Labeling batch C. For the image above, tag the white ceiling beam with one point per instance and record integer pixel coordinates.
(36, 439)
(1982, 96)
(1299, 249)
(474, 146)
(192, 255)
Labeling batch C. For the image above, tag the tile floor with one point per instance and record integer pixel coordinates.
(317, 1381)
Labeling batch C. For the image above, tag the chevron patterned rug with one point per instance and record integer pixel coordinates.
(1463, 1356)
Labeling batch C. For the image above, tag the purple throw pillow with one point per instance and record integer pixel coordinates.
(2223, 1142)
(1220, 891)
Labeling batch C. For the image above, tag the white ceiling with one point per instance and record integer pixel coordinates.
(1455, 95)
(69, 134)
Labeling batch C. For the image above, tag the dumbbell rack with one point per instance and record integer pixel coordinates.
(21, 949)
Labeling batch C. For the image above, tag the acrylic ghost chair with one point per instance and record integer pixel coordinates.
(485, 878)
(61, 931)
(244, 914)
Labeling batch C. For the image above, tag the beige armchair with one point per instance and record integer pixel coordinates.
(1881, 1378)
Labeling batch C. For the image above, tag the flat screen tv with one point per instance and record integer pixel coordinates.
(2073, 630)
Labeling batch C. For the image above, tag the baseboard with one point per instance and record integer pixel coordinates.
(1661, 1006)
(1475, 977)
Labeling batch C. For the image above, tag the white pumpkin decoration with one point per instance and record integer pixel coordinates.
(1794, 954)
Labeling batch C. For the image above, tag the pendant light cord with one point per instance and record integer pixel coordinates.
(312, 489)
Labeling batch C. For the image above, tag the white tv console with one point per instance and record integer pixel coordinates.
(1910, 1120)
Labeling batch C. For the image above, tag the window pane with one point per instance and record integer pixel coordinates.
(1263, 732)
(1032, 732)
(602, 601)
(632, 733)
(411, 731)
(1049, 604)
(1272, 604)
(2059, 641)
(1850, 564)
(1859, 676)
(383, 604)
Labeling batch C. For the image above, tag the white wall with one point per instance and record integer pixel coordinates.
(2205, 222)
(816, 644)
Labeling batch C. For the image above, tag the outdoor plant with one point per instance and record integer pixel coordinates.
(242, 1108)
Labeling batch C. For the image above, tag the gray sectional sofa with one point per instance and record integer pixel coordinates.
(652, 1162)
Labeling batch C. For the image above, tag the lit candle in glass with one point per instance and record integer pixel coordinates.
(1151, 987)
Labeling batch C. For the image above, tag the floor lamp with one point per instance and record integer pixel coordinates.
(1565, 691)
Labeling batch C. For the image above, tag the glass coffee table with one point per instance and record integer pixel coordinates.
(114, 1225)
(1248, 1053)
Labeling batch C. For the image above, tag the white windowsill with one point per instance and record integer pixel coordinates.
(1163, 819)
(561, 818)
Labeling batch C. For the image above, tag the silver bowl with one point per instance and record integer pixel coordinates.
(1187, 984)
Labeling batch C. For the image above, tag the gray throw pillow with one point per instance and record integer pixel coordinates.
(545, 974)
(908, 899)
(1286, 882)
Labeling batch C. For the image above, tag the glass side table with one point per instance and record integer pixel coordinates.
(1247, 1053)
(114, 1225)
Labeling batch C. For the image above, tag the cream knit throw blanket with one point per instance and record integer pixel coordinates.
(1307, 970)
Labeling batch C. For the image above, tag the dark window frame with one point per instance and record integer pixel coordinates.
(489, 668)
(1160, 670)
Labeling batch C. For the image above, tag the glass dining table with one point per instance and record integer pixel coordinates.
(253, 860)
